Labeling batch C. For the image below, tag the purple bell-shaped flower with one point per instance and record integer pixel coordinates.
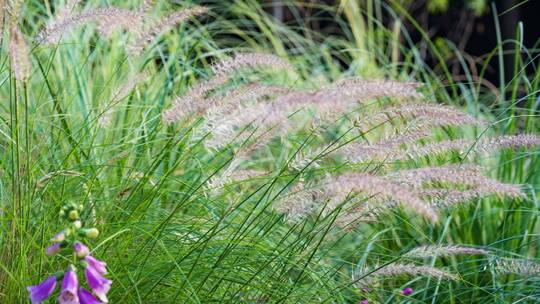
(99, 284)
(40, 293)
(68, 293)
(99, 266)
(85, 297)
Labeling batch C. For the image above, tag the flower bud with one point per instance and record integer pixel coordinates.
(92, 233)
(77, 224)
(73, 215)
(59, 237)
(407, 291)
(52, 250)
(81, 250)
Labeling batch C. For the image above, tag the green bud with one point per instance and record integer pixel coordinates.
(92, 233)
(82, 263)
(73, 215)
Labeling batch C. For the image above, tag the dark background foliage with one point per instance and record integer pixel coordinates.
(473, 32)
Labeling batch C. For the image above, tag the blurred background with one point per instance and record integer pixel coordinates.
(472, 25)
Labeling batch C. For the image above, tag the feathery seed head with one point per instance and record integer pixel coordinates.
(445, 198)
(309, 158)
(367, 278)
(66, 10)
(377, 196)
(19, 54)
(517, 266)
(146, 6)
(236, 97)
(478, 186)
(369, 89)
(300, 202)
(510, 141)
(126, 20)
(250, 60)
(233, 174)
(225, 113)
(482, 145)
(465, 174)
(13, 8)
(328, 102)
(379, 187)
(246, 174)
(165, 24)
(369, 211)
(425, 118)
(429, 251)
(226, 129)
(426, 115)
(382, 151)
(193, 101)
(108, 19)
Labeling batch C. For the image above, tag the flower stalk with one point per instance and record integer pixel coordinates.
(70, 244)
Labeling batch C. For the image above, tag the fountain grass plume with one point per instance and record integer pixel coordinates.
(429, 251)
(19, 54)
(368, 277)
(166, 23)
(375, 186)
(109, 19)
(524, 267)
(482, 145)
(455, 174)
(250, 60)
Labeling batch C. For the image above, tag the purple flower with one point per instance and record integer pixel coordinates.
(99, 285)
(81, 250)
(68, 294)
(86, 297)
(41, 292)
(407, 291)
(98, 265)
(363, 302)
(53, 249)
